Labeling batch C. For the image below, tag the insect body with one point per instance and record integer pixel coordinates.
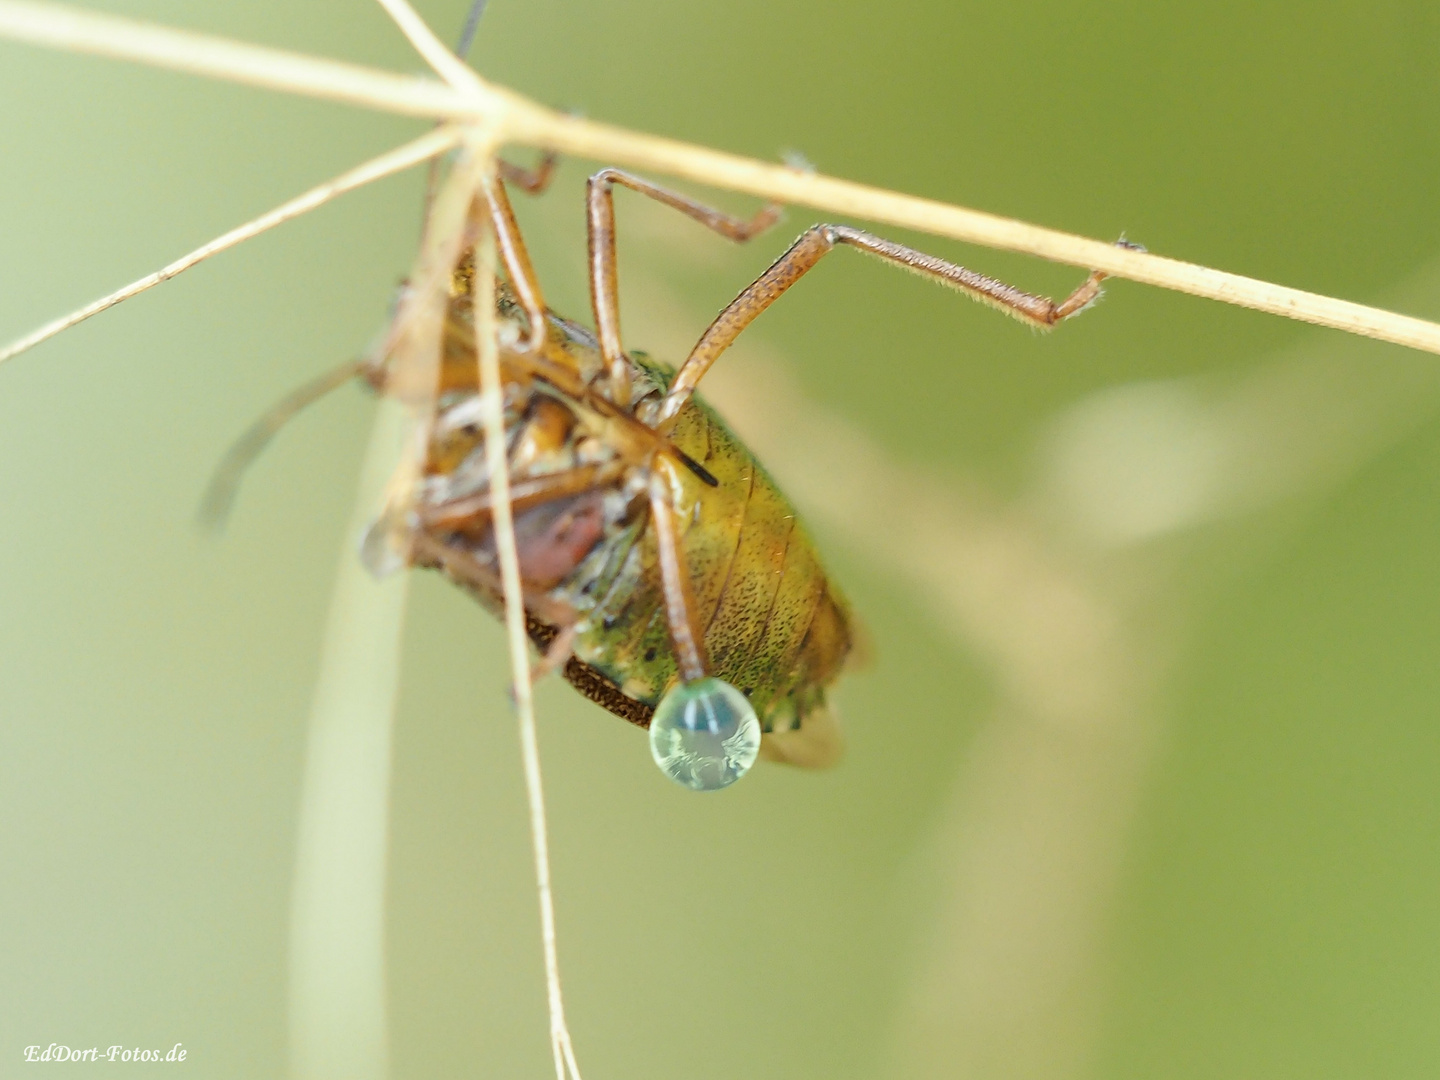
(768, 619)
(661, 565)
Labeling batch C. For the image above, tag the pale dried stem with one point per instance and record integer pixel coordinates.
(428, 146)
(516, 119)
(76, 30)
(492, 411)
(444, 62)
(413, 342)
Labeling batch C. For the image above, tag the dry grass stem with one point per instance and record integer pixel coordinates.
(492, 411)
(516, 119)
(77, 30)
(422, 149)
(435, 52)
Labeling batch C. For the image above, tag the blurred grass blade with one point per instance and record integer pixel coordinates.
(337, 929)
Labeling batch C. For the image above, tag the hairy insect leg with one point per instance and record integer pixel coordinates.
(817, 242)
(491, 212)
(604, 289)
(704, 733)
(502, 218)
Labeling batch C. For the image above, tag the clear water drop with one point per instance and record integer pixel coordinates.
(704, 735)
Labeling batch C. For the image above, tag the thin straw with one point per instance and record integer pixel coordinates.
(516, 119)
(427, 146)
(492, 413)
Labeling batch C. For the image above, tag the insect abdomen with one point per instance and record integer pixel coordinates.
(773, 625)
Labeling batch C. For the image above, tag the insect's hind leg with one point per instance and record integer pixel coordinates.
(814, 244)
(704, 733)
(685, 638)
(604, 291)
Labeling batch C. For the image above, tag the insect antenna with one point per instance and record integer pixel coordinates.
(472, 25)
(219, 497)
(462, 50)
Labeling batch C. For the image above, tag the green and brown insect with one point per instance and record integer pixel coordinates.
(657, 554)
(664, 572)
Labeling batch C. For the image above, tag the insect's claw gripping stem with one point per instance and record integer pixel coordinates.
(1084, 296)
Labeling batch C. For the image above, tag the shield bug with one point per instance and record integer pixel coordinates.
(664, 572)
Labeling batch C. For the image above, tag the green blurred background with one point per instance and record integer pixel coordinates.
(1142, 775)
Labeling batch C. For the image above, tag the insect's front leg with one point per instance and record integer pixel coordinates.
(492, 202)
(525, 492)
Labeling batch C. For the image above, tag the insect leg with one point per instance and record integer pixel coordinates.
(516, 258)
(524, 494)
(689, 648)
(604, 292)
(555, 655)
(532, 181)
(817, 242)
(482, 578)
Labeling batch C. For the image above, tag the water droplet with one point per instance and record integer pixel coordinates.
(704, 735)
(378, 551)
